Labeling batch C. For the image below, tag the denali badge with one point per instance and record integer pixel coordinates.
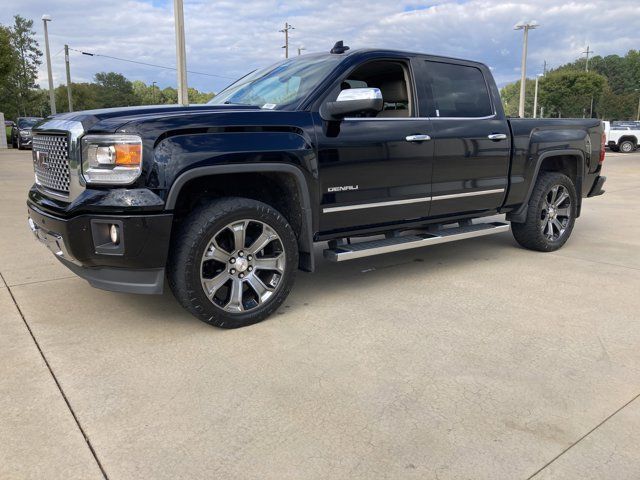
(343, 188)
(41, 159)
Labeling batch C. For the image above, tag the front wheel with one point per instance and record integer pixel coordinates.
(233, 262)
(551, 214)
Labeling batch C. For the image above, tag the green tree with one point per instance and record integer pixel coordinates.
(85, 97)
(196, 96)
(27, 58)
(570, 93)
(616, 99)
(169, 96)
(145, 94)
(114, 90)
(6, 56)
(622, 73)
(510, 95)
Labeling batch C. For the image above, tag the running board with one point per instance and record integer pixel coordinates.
(395, 244)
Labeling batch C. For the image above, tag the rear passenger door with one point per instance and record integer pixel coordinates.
(472, 140)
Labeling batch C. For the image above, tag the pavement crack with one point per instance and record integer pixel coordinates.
(582, 437)
(55, 379)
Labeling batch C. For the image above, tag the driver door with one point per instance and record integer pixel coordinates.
(375, 170)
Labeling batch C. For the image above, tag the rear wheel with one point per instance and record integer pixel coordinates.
(234, 262)
(627, 146)
(551, 214)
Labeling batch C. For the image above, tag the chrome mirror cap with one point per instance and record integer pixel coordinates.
(359, 94)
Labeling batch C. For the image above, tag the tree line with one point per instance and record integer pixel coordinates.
(610, 90)
(20, 95)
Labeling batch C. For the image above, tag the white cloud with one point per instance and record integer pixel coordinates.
(229, 38)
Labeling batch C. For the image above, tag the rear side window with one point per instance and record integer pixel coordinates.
(457, 91)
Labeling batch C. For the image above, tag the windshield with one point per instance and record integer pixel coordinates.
(280, 85)
(28, 122)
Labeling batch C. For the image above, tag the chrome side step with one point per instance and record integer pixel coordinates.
(395, 244)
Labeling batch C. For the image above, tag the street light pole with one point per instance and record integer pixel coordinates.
(523, 74)
(153, 92)
(68, 68)
(300, 49)
(181, 54)
(638, 114)
(535, 96)
(52, 97)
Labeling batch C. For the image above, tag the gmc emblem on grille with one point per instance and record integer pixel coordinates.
(41, 159)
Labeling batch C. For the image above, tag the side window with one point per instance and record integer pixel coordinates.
(458, 91)
(392, 78)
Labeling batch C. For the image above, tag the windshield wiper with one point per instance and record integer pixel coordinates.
(229, 102)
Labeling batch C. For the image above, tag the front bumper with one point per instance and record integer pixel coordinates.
(26, 141)
(137, 263)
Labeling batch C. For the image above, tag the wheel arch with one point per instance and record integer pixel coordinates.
(282, 186)
(568, 161)
(631, 138)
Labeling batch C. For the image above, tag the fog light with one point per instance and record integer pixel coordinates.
(114, 233)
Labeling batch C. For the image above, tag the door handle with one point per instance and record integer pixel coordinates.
(417, 138)
(497, 136)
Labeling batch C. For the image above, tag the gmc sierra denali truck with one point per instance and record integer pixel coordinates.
(372, 151)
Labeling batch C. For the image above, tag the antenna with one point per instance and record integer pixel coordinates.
(339, 47)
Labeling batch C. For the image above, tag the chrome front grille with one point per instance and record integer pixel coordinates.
(51, 162)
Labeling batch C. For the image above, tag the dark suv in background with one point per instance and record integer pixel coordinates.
(21, 132)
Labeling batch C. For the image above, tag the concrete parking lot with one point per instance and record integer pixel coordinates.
(475, 359)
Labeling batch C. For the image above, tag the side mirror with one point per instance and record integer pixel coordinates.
(353, 101)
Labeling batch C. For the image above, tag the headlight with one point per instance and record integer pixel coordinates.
(111, 159)
(25, 133)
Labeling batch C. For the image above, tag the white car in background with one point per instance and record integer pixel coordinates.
(621, 138)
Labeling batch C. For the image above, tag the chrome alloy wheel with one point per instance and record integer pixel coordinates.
(556, 213)
(242, 266)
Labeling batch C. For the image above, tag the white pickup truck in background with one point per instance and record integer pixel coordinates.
(621, 138)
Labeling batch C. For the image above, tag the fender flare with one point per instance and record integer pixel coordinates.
(307, 261)
(520, 215)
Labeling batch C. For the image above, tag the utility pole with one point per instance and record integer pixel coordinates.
(586, 69)
(66, 62)
(52, 96)
(523, 76)
(181, 54)
(153, 92)
(587, 51)
(286, 29)
(300, 49)
(544, 68)
(638, 114)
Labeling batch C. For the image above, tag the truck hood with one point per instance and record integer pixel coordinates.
(109, 120)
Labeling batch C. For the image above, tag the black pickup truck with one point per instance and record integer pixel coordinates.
(372, 151)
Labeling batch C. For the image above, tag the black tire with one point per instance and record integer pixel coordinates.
(194, 236)
(627, 146)
(530, 234)
(20, 147)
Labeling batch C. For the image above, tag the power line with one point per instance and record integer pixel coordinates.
(148, 64)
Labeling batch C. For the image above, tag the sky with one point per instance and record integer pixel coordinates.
(226, 39)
